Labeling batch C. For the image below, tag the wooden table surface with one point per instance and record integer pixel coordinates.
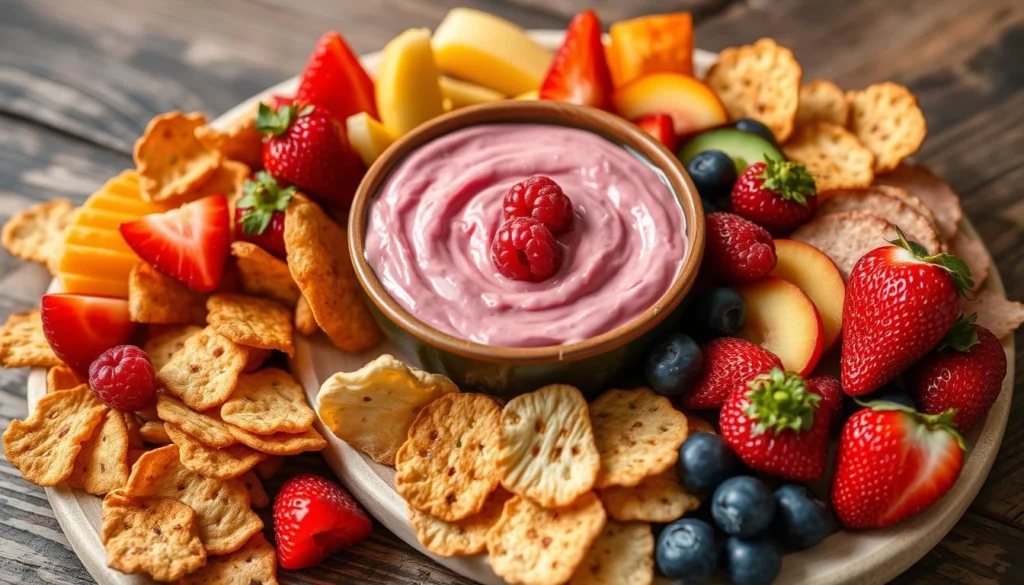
(80, 79)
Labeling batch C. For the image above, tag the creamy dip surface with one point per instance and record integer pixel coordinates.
(430, 230)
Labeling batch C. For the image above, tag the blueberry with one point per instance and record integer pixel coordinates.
(718, 312)
(743, 506)
(675, 365)
(688, 551)
(754, 561)
(754, 127)
(801, 519)
(705, 461)
(710, 206)
(714, 174)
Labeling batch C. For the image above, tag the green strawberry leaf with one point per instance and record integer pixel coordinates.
(961, 336)
(275, 123)
(780, 401)
(788, 180)
(261, 198)
(955, 267)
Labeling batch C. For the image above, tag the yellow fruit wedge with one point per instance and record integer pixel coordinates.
(464, 93)
(529, 95)
(91, 285)
(367, 136)
(489, 51)
(408, 91)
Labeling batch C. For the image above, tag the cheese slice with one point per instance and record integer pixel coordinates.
(90, 285)
(463, 93)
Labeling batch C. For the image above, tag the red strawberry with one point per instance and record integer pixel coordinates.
(313, 519)
(777, 424)
(189, 244)
(893, 463)
(728, 362)
(965, 373)
(335, 80)
(579, 72)
(737, 250)
(899, 304)
(276, 101)
(660, 126)
(309, 149)
(776, 195)
(259, 214)
(79, 328)
(831, 392)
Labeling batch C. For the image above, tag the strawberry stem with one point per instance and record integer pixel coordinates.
(780, 401)
(788, 180)
(933, 422)
(962, 336)
(261, 198)
(955, 267)
(277, 122)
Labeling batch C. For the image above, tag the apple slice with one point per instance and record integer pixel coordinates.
(783, 320)
(692, 105)
(816, 274)
(80, 327)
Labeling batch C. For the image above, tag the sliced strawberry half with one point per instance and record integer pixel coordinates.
(80, 327)
(189, 244)
(661, 127)
(579, 72)
(335, 80)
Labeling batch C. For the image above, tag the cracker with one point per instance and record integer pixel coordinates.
(547, 451)
(887, 120)
(45, 445)
(132, 427)
(534, 545)
(154, 433)
(257, 494)
(972, 251)
(154, 297)
(62, 378)
(203, 374)
(222, 506)
(833, 156)
(169, 158)
(638, 433)
(304, 321)
(163, 343)
(267, 402)
(623, 554)
(889, 204)
(207, 428)
(696, 424)
(255, 358)
(760, 81)
(253, 564)
(238, 141)
(148, 412)
(318, 258)
(251, 321)
(269, 467)
(918, 181)
(264, 275)
(846, 236)
(822, 101)
(281, 443)
(373, 407)
(657, 498)
(225, 463)
(36, 234)
(448, 466)
(995, 312)
(102, 464)
(155, 536)
(133, 457)
(461, 537)
(227, 180)
(23, 345)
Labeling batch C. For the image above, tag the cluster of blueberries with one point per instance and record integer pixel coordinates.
(714, 172)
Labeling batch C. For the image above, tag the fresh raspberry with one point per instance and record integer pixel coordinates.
(779, 196)
(523, 249)
(123, 378)
(542, 199)
(737, 250)
(313, 519)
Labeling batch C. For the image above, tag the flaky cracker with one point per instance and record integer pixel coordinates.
(623, 554)
(132, 427)
(22, 343)
(462, 537)
(760, 81)
(134, 454)
(264, 275)
(972, 251)
(222, 506)
(833, 156)
(169, 158)
(227, 180)
(102, 464)
(155, 536)
(448, 466)
(154, 433)
(36, 234)
(547, 451)
(251, 321)
(534, 545)
(255, 357)
(207, 428)
(281, 443)
(225, 463)
(257, 494)
(239, 140)
(888, 121)
(269, 467)
(638, 433)
(266, 402)
(164, 342)
(204, 373)
(995, 312)
(657, 498)
(154, 297)
(918, 181)
(318, 258)
(148, 412)
(62, 378)
(373, 407)
(305, 323)
(253, 564)
(822, 101)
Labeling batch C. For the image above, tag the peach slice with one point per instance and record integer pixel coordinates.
(692, 105)
(816, 274)
(783, 320)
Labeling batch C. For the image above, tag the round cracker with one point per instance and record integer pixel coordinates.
(226, 463)
(622, 555)
(254, 563)
(833, 156)
(462, 537)
(266, 402)
(888, 121)
(822, 101)
(156, 536)
(658, 498)
(169, 158)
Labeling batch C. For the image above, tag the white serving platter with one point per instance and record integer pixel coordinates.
(845, 558)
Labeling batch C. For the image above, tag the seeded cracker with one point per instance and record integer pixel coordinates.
(448, 466)
(657, 498)
(304, 321)
(226, 463)
(203, 374)
(102, 464)
(155, 536)
(263, 275)
(251, 321)
(462, 537)
(207, 428)
(240, 141)
(132, 427)
(37, 233)
(62, 378)
(170, 160)
(154, 297)
(547, 450)
(257, 495)
(253, 564)
(227, 180)
(887, 120)
(267, 402)
(622, 555)
(822, 101)
(834, 156)
(255, 358)
(154, 433)
(163, 342)
(280, 443)
(23, 345)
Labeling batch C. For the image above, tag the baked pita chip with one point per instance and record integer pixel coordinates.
(23, 345)
(267, 402)
(623, 554)
(257, 494)
(461, 537)
(204, 373)
(251, 321)
(62, 378)
(36, 234)
(280, 443)
(264, 275)
(225, 463)
(154, 297)
(657, 498)
(170, 160)
(102, 464)
(154, 433)
(253, 564)
(163, 342)
(155, 536)
(305, 323)
(207, 428)
(238, 141)
(833, 156)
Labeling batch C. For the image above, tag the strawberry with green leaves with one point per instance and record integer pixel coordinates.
(259, 214)
(779, 196)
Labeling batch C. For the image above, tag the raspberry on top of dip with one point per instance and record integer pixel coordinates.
(430, 229)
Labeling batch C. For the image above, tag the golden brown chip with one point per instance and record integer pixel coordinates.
(154, 433)
(267, 402)
(657, 498)
(169, 158)
(239, 140)
(44, 446)
(227, 180)
(304, 321)
(281, 443)
(638, 433)
(222, 505)
(622, 555)
(319, 262)
(269, 467)
(547, 451)
(995, 312)
(833, 156)
(154, 297)
(133, 457)
(822, 101)
(759, 81)
(23, 345)
(257, 494)
(133, 427)
(164, 342)
(204, 373)
(264, 275)
(253, 564)
(36, 234)
(373, 407)
(534, 545)
(226, 463)
(207, 428)
(102, 464)
(255, 357)
(62, 378)
(448, 466)
(462, 537)
(155, 536)
(148, 412)
(696, 424)
(251, 321)
(887, 120)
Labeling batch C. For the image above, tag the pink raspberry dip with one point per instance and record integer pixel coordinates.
(430, 231)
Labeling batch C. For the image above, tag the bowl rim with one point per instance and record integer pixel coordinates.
(604, 124)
